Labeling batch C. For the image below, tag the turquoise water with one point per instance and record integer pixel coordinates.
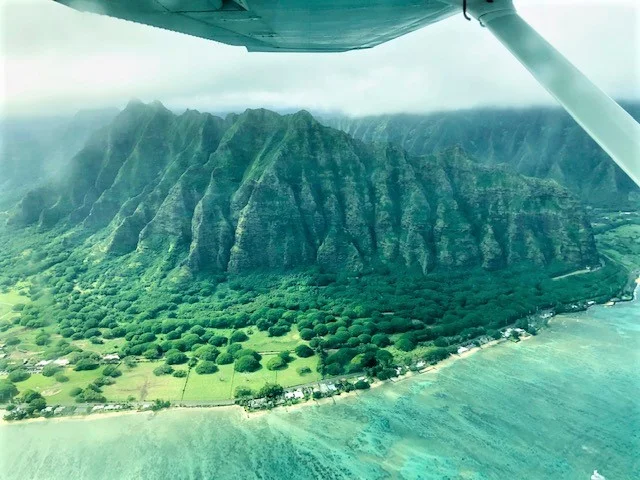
(557, 406)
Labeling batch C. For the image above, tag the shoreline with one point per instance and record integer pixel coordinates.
(247, 415)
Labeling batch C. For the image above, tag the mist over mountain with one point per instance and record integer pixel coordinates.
(34, 150)
(261, 190)
(539, 142)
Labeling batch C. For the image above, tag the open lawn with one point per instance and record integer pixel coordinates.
(56, 392)
(7, 301)
(216, 386)
(222, 384)
(141, 384)
(262, 342)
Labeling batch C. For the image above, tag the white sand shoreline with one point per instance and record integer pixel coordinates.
(431, 369)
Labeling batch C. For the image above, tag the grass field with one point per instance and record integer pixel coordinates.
(56, 392)
(622, 244)
(262, 342)
(7, 301)
(141, 384)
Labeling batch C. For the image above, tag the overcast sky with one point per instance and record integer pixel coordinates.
(57, 60)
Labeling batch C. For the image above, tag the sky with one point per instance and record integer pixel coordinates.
(55, 60)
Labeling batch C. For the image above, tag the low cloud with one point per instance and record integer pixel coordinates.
(57, 60)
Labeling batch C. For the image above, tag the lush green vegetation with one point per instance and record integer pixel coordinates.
(206, 339)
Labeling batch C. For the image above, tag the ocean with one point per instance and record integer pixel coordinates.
(557, 406)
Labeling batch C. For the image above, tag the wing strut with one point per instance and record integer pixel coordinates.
(602, 118)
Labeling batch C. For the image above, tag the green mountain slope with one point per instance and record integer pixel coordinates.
(265, 191)
(538, 142)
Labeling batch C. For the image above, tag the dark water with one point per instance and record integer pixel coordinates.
(557, 406)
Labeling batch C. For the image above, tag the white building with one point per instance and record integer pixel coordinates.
(462, 350)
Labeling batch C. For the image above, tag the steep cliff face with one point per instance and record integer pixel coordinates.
(265, 191)
(542, 143)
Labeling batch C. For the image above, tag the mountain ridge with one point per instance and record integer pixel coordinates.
(261, 190)
(539, 142)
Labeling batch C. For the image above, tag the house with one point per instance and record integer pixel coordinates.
(289, 395)
(590, 302)
(331, 387)
(398, 371)
(420, 364)
(462, 350)
(43, 363)
(324, 388)
(61, 362)
(58, 411)
(298, 394)
(97, 408)
(111, 358)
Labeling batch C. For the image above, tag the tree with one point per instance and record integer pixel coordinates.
(224, 358)
(243, 392)
(246, 363)
(206, 367)
(307, 334)
(50, 370)
(60, 377)
(247, 352)
(435, 355)
(164, 369)
(381, 340)
(218, 341)
(362, 385)
(176, 358)
(129, 361)
(303, 371)
(179, 374)
(285, 355)
(303, 351)
(271, 390)
(86, 364)
(75, 391)
(276, 363)
(7, 391)
(36, 405)
(18, 375)
(207, 352)
(111, 371)
(238, 336)
(405, 343)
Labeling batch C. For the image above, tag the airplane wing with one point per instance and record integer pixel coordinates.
(342, 25)
(280, 25)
